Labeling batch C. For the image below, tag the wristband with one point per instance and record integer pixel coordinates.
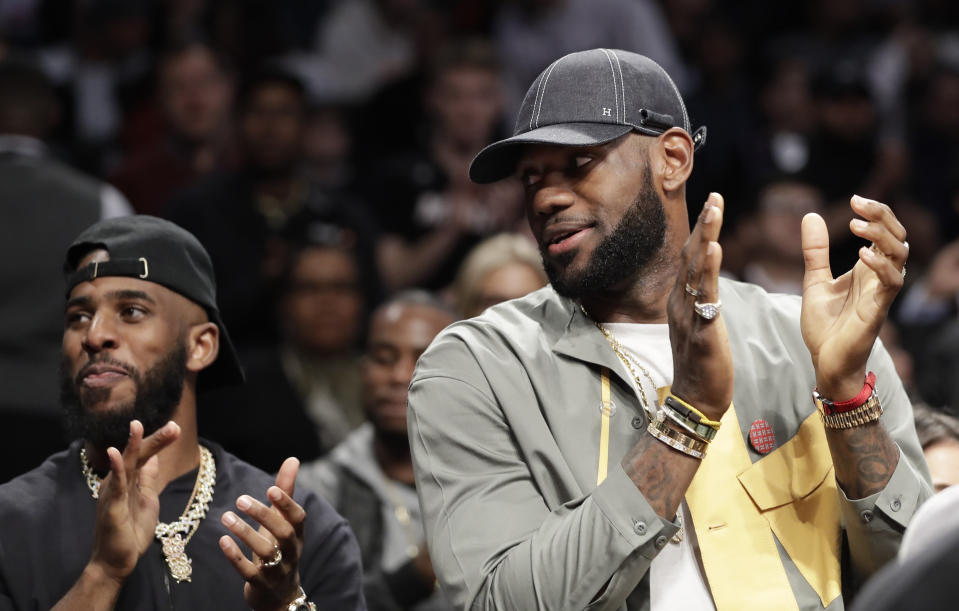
(838, 407)
(700, 431)
(687, 410)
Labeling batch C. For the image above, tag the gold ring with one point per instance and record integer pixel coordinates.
(691, 290)
(708, 311)
(275, 560)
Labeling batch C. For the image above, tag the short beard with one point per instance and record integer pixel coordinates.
(157, 396)
(634, 242)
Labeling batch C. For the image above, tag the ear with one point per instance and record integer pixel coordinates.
(203, 345)
(676, 160)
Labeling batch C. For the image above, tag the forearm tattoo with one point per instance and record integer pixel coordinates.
(865, 458)
(661, 473)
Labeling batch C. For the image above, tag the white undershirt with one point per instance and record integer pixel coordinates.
(676, 579)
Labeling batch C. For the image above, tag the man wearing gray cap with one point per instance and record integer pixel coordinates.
(585, 447)
(138, 512)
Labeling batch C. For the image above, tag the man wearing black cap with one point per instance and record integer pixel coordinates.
(586, 447)
(136, 513)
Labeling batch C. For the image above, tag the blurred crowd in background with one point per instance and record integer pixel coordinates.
(319, 150)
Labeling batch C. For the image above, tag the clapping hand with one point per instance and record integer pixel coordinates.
(841, 316)
(272, 575)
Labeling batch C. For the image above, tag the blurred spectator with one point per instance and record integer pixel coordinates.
(43, 206)
(769, 243)
(369, 477)
(529, 34)
(303, 397)
(195, 91)
(928, 310)
(363, 45)
(788, 113)
(431, 212)
(234, 214)
(328, 148)
(100, 70)
(939, 437)
(500, 268)
(934, 146)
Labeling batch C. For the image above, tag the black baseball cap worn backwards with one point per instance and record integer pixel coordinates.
(159, 251)
(589, 98)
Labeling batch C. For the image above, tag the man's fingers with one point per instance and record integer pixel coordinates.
(132, 451)
(161, 438)
(289, 508)
(705, 231)
(880, 213)
(260, 545)
(286, 476)
(890, 275)
(118, 485)
(270, 518)
(240, 562)
(815, 250)
(887, 243)
(149, 474)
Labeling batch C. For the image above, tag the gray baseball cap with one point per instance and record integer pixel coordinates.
(588, 98)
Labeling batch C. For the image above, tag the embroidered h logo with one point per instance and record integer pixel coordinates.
(607, 112)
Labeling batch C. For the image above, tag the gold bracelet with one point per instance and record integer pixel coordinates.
(870, 411)
(676, 440)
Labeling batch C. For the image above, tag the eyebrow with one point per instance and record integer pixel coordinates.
(122, 295)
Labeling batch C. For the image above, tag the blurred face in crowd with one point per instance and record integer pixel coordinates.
(782, 207)
(399, 333)
(466, 103)
(128, 346)
(323, 306)
(272, 125)
(506, 282)
(195, 94)
(850, 117)
(943, 460)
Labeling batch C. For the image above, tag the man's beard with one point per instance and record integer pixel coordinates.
(632, 244)
(158, 393)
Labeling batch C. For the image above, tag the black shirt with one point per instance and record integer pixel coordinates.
(46, 535)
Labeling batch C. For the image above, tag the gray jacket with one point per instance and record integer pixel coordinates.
(504, 428)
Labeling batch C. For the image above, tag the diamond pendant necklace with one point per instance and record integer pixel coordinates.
(173, 536)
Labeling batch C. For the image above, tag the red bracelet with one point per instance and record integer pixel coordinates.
(859, 400)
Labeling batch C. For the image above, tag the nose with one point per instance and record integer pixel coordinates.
(100, 335)
(402, 372)
(554, 194)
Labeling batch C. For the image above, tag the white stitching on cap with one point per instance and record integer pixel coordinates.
(545, 79)
(613, 70)
(539, 88)
(679, 97)
(621, 84)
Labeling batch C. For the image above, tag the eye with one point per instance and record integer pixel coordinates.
(133, 312)
(581, 160)
(531, 178)
(76, 317)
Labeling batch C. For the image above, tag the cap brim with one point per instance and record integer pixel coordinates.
(226, 370)
(498, 160)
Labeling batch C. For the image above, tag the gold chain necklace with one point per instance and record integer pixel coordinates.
(402, 514)
(175, 535)
(628, 360)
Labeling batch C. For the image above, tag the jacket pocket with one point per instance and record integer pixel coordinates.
(794, 488)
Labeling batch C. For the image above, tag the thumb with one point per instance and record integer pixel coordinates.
(815, 250)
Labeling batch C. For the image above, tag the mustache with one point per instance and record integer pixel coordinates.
(130, 370)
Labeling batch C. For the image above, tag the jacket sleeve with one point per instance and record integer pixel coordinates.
(874, 525)
(494, 541)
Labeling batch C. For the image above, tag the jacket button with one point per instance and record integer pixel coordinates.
(866, 517)
(637, 422)
(639, 527)
(661, 542)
